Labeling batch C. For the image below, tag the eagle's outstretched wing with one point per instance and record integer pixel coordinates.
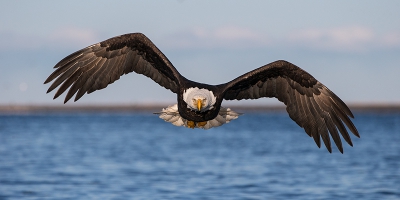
(98, 65)
(309, 103)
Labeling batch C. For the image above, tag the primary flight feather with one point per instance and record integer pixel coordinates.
(309, 103)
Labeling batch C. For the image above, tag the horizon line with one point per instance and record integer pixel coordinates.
(42, 108)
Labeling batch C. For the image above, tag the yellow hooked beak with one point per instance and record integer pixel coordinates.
(199, 104)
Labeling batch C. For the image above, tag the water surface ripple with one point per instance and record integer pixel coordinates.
(138, 156)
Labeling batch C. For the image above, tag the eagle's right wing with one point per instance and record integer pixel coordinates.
(98, 65)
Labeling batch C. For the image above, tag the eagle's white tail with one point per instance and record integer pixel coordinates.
(171, 114)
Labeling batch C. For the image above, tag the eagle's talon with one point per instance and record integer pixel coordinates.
(191, 124)
(201, 124)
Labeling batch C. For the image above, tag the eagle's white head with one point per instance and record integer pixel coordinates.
(199, 99)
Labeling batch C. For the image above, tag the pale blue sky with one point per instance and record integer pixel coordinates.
(352, 47)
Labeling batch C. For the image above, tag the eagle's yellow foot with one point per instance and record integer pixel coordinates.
(191, 124)
(201, 124)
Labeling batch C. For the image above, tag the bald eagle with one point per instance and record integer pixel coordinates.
(309, 103)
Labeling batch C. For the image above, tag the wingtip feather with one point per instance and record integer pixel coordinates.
(66, 100)
(341, 150)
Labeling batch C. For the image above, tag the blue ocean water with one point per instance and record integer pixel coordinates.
(139, 156)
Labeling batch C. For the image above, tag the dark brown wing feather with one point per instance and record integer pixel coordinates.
(309, 103)
(98, 65)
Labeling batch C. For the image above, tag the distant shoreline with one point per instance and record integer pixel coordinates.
(21, 109)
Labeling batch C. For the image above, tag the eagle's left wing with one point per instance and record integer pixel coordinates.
(309, 103)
